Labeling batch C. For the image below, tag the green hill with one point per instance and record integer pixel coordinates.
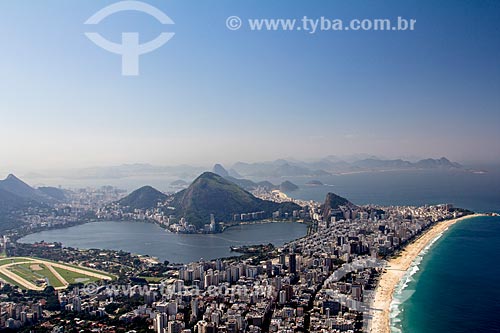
(146, 197)
(213, 194)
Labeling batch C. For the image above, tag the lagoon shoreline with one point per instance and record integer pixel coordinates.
(395, 270)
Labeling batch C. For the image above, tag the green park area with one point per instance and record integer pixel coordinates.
(37, 274)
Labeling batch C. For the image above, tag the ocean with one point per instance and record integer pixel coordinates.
(477, 192)
(453, 285)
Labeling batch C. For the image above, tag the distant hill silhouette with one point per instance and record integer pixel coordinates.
(245, 184)
(179, 183)
(219, 170)
(332, 164)
(442, 163)
(145, 197)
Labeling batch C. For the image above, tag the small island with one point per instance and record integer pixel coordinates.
(314, 183)
(253, 249)
(288, 186)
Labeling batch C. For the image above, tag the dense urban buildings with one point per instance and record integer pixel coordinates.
(322, 282)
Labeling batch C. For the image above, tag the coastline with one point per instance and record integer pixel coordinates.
(395, 270)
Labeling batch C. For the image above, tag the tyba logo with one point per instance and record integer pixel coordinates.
(130, 49)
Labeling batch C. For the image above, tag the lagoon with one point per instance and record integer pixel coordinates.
(150, 239)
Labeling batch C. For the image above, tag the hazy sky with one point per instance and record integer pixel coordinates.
(211, 94)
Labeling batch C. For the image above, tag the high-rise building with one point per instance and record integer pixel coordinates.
(269, 268)
(213, 225)
(282, 297)
(77, 304)
(205, 327)
(172, 308)
(175, 327)
(160, 322)
(283, 259)
(292, 263)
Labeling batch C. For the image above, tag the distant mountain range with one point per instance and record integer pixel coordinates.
(208, 194)
(334, 165)
(276, 169)
(122, 171)
(271, 170)
(249, 185)
(429, 163)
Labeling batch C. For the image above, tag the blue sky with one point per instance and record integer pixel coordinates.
(215, 95)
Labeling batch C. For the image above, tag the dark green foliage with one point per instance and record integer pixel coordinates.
(212, 194)
(144, 198)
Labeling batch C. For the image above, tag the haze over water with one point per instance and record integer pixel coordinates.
(477, 192)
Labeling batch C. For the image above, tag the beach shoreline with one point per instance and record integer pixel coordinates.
(395, 270)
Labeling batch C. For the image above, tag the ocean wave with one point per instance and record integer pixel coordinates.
(402, 292)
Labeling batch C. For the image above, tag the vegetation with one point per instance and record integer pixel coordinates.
(144, 198)
(74, 278)
(212, 194)
(152, 279)
(39, 272)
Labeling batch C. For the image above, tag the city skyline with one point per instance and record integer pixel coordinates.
(186, 166)
(215, 95)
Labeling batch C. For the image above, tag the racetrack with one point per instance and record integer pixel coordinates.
(5, 270)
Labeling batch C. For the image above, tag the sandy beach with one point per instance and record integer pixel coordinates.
(396, 269)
